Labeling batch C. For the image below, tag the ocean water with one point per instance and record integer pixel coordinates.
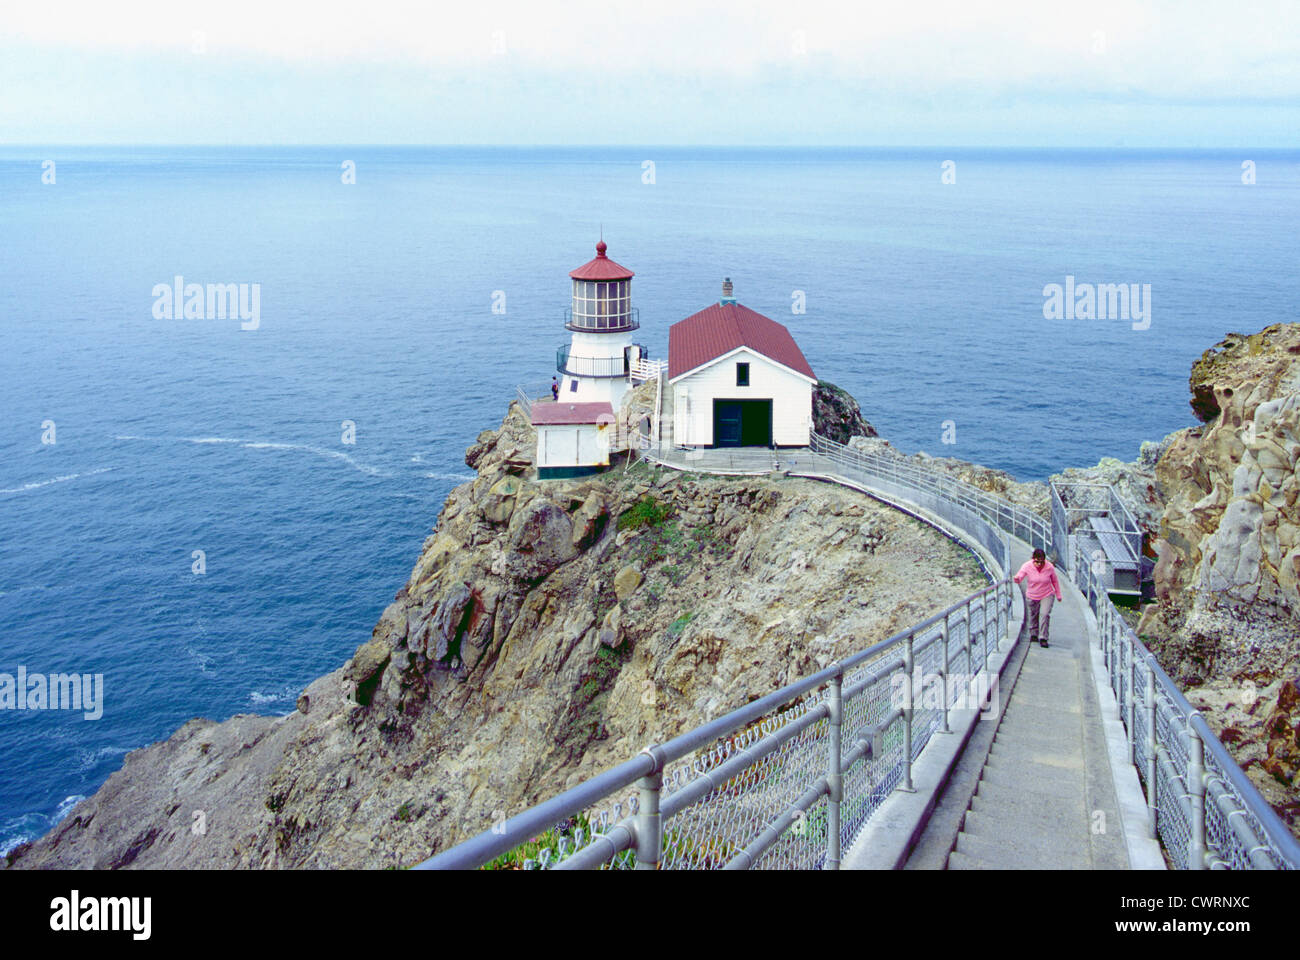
(923, 299)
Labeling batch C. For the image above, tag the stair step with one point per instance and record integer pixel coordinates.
(1027, 731)
(1064, 758)
(1019, 709)
(1027, 853)
(964, 861)
(1050, 833)
(1061, 817)
(1032, 779)
(1057, 696)
(1043, 741)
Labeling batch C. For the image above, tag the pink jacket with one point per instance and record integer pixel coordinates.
(1041, 583)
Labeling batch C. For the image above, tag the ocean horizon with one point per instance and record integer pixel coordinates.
(211, 512)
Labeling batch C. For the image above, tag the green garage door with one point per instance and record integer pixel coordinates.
(742, 423)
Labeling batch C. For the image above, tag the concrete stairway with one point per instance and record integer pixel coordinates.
(1045, 798)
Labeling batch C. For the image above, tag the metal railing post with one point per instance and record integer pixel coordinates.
(1196, 787)
(970, 644)
(1132, 697)
(943, 639)
(649, 823)
(984, 629)
(834, 778)
(1106, 652)
(1152, 807)
(908, 667)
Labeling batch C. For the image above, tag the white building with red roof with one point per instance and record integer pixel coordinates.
(737, 379)
(573, 439)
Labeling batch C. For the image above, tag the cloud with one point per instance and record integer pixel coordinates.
(599, 72)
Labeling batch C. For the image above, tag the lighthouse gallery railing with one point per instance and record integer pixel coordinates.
(743, 791)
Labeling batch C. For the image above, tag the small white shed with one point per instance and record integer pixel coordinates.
(573, 439)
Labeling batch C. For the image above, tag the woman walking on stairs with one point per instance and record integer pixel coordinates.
(1040, 588)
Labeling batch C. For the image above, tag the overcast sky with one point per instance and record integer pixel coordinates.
(749, 72)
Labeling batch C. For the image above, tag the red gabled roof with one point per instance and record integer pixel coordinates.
(722, 327)
(560, 414)
(602, 268)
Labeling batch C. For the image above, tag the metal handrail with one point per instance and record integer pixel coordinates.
(1002, 513)
(1238, 828)
(529, 393)
(651, 763)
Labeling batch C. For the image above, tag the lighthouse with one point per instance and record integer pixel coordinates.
(596, 364)
(577, 432)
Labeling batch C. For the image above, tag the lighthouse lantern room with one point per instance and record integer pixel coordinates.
(597, 362)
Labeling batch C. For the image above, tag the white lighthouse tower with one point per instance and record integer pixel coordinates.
(596, 364)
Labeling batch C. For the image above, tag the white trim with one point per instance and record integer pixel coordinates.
(716, 360)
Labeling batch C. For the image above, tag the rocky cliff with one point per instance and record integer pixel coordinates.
(547, 631)
(1228, 577)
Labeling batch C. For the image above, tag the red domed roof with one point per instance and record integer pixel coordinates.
(602, 268)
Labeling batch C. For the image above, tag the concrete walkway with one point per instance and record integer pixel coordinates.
(1045, 798)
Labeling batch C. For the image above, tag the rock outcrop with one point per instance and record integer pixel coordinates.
(837, 416)
(548, 630)
(1228, 575)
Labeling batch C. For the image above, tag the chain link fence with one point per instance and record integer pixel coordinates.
(786, 782)
(1202, 807)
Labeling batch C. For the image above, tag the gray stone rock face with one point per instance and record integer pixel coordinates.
(500, 501)
(1226, 624)
(589, 522)
(368, 665)
(1232, 553)
(626, 581)
(541, 538)
(448, 623)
